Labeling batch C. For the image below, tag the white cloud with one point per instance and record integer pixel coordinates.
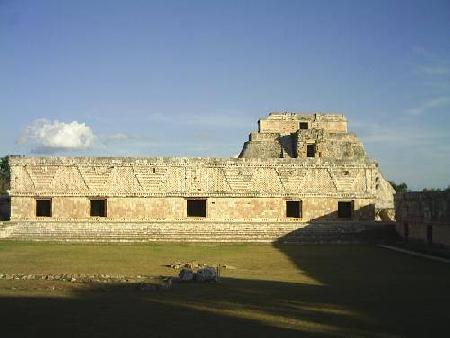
(46, 136)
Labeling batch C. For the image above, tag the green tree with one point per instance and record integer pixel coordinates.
(402, 187)
(4, 174)
(431, 189)
(4, 166)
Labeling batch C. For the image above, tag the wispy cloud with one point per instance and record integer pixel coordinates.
(401, 134)
(436, 102)
(434, 69)
(117, 137)
(431, 65)
(408, 151)
(220, 120)
(201, 144)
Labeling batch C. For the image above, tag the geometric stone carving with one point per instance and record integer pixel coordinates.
(207, 177)
(67, 179)
(122, 179)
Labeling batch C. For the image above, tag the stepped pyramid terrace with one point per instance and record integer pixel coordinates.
(300, 175)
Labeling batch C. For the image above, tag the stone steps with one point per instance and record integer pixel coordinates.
(187, 231)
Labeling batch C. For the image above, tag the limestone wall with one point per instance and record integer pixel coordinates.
(157, 188)
(424, 216)
(174, 208)
(286, 123)
(331, 146)
(282, 135)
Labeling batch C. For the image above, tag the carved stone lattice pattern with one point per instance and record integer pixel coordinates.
(276, 177)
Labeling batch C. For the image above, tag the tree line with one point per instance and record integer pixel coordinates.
(403, 187)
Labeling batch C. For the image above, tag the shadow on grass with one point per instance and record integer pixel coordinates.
(392, 294)
(352, 290)
(359, 291)
(232, 308)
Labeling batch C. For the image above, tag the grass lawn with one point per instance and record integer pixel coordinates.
(275, 291)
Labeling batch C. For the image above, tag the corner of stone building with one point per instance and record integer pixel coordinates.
(385, 199)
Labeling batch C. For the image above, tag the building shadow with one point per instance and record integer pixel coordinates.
(233, 308)
(354, 290)
(331, 228)
(379, 286)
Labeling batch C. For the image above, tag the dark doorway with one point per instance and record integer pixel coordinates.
(345, 209)
(294, 209)
(98, 208)
(430, 234)
(310, 150)
(303, 125)
(44, 208)
(196, 208)
(406, 231)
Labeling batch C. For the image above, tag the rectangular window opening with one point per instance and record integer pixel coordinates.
(303, 125)
(294, 209)
(345, 209)
(196, 208)
(310, 150)
(98, 208)
(44, 208)
(430, 234)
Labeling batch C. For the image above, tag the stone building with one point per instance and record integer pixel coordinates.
(424, 216)
(297, 169)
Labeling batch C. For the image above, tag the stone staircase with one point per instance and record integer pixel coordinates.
(191, 231)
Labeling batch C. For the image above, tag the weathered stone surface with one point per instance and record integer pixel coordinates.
(186, 275)
(424, 216)
(193, 231)
(206, 274)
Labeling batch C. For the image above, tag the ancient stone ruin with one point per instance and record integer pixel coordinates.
(424, 217)
(295, 171)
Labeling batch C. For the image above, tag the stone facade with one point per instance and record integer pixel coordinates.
(310, 161)
(288, 135)
(157, 188)
(424, 216)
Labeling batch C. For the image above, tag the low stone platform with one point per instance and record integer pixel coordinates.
(198, 231)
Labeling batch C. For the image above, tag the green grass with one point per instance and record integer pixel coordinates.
(275, 291)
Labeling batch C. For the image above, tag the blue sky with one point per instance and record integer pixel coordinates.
(191, 78)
